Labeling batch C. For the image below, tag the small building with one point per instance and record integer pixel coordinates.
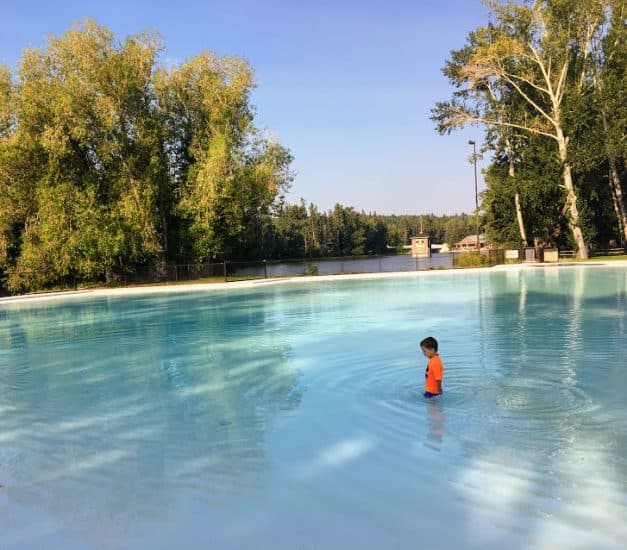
(421, 246)
(470, 243)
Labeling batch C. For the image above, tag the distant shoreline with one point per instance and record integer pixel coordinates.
(196, 287)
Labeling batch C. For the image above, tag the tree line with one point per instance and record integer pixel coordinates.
(110, 161)
(299, 231)
(546, 80)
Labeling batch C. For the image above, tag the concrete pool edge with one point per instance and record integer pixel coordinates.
(195, 287)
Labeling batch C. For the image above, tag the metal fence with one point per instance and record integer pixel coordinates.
(242, 270)
(265, 269)
(594, 253)
(335, 266)
(170, 273)
(532, 254)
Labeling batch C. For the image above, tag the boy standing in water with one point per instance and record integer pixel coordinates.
(435, 368)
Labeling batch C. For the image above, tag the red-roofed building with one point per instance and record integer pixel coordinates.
(470, 243)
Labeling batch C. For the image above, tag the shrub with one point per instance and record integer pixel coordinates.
(470, 259)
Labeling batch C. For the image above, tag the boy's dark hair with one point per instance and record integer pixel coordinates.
(430, 343)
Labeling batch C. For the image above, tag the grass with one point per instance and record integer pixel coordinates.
(608, 258)
(622, 257)
(470, 259)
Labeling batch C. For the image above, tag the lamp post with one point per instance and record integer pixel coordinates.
(474, 160)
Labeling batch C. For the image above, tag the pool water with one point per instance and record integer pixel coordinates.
(290, 416)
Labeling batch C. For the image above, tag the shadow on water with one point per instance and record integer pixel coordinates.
(118, 406)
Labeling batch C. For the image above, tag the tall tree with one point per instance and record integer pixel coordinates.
(536, 172)
(531, 50)
(84, 156)
(225, 173)
(606, 70)
(108, 161)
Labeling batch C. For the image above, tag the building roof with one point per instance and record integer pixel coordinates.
(471, 239)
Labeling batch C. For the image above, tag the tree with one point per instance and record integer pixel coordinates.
(108, 161)
(83, 156)
(531, 51)
(288, 222)
(606, 72)
(226, 175)
(534, 186)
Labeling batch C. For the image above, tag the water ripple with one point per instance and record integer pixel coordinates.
(299, 409)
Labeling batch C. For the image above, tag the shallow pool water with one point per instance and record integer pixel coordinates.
(290, 416)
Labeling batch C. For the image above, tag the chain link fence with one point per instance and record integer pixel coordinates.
(264, 269)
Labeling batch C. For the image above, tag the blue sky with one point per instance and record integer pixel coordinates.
(347, 85)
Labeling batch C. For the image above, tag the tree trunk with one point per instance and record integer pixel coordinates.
(617, 191)
(511, 172)
(619, 204)
(571, 197)
(573, 220)
(519, 216)
(164, 228)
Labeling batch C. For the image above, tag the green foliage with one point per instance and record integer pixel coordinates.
(542, 200)
(108, 161)
(299, 231)
(227, 176)
(470, 259)
(547, 81)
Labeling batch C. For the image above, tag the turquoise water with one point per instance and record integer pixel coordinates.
(290, 415)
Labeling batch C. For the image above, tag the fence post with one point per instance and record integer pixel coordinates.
(224, 269)
(265, 269)
(342, 265)
(380, 264)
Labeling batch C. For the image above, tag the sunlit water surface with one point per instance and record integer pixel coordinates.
(290, 416)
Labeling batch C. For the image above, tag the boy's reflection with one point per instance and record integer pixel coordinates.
(435, 424)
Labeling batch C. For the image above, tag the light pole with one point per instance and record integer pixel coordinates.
(474, 160)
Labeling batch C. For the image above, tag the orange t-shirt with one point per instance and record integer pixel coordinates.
(434, 371)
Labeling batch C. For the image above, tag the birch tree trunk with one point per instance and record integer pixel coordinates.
(619, 203)
(616, 188)
(571, 197)
(519, 216)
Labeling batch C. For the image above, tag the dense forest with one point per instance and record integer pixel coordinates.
(546, 80)
(297, 231)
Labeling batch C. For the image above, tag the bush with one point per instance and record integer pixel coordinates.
(470, 259)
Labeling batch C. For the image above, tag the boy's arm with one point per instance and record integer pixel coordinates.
(438, 375)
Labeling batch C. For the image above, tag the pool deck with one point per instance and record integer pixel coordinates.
(253, 283)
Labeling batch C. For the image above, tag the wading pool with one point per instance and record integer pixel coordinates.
(291, 416)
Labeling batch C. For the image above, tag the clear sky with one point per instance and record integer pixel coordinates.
(346, 85)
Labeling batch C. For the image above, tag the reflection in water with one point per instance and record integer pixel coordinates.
(435, 424)
(528, 452)
(166, 395)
